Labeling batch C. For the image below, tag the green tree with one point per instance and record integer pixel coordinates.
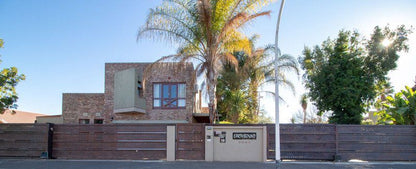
(9, 78)
(254, 69)
(341, 74)
(400, 109)
(207, 32)
(383, 89)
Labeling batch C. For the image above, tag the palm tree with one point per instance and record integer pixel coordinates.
(207, 32)
(304, 103)
(260, 71)
(253, 70)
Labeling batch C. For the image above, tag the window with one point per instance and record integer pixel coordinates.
(98, 121)
(169, 95)
(140, 88)
(84, 121)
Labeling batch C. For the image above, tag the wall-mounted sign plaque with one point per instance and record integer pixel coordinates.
(244, 135)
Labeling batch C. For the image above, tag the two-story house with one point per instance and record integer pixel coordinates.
(138, 93)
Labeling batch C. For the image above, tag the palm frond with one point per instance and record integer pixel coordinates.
(232, 60)
(273, 94)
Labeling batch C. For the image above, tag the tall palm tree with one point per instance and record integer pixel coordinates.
(253, 70)
(263, 73)
(304, 104)
(207, 32)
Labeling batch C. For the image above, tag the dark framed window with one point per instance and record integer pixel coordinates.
(98, 121)
(169, 95)
(84, 121)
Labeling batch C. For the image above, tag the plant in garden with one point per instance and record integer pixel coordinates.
(399, 109)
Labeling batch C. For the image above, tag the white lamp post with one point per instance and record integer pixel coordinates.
(276, 88)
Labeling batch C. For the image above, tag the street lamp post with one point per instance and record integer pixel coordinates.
(276, 88)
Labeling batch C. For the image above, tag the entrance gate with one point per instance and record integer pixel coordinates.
(190, 143)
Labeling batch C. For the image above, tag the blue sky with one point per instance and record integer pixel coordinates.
(61, 46)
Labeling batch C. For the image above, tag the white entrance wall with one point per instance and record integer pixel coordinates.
(236, 143)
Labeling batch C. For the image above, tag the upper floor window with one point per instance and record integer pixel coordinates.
(84, 121)
(169, 95)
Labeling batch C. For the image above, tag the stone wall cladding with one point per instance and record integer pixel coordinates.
(164, 72)
(77, 106)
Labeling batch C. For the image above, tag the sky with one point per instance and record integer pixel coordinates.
(62, 46)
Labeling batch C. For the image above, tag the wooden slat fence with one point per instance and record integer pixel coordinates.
(113, 141)
(303, 142)
(326, 141)
(190, 141)
(377, 143)
(148, 141)
(23, 140)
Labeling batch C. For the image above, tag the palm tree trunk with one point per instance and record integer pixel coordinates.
(212, 105)
(234, 118)
(256, 106)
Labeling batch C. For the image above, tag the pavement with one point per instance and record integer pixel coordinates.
(127, 164)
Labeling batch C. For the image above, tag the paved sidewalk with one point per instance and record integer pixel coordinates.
(92, 164)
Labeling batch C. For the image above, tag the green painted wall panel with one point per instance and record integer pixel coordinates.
(126, 93)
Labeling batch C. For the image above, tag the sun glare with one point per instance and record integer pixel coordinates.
(386, 42)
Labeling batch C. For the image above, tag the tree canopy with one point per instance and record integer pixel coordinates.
(342, 74)
(208, 32)
(9, 77)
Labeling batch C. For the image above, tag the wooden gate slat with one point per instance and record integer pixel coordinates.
(190, 141)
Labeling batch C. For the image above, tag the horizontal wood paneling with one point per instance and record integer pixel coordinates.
(112, 141)
(112, 154)
(190, 141)
(23, 140)
(148, 141)
(303, 142)
(377, 143)
(364, 142)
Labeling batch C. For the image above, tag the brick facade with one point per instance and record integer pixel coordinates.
(86, 106)
(159, 73)
(77, 106)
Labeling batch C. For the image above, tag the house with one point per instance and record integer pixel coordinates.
(139, 93)
(18, 116)
(56, 119)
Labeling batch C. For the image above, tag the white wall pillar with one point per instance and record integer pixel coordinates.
(209, 143)
(264, 143)
(170, 143)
